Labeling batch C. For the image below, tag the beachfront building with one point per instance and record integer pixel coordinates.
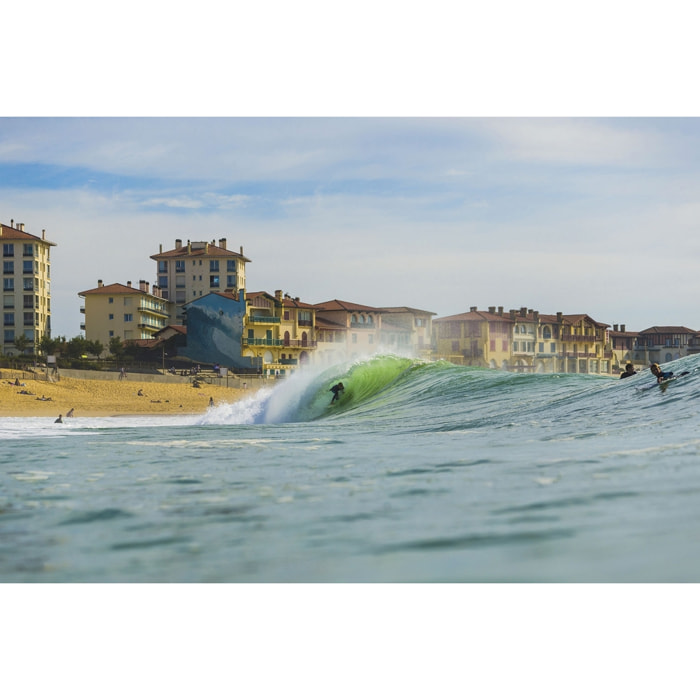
(475, 338)
(347, 331)
(665, 343)
(122, 311)
(623, 344)
(191, 271)
(585, 345)
(215, 331)
(279, 332)
(524, 341)
(26, 282)
(408, 330)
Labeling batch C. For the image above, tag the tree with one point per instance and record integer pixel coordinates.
(116, 347)
(21, 343)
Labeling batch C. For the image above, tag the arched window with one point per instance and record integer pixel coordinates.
(304, 339)
(286, 338)
(546, 332)
(353, 318)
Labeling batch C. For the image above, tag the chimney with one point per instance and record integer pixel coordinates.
(99, 284)
(278, 294)
(622, 327)
(536, 316)
(241, 250)
(500, 311)
(206, 249)
(143, 286)
(128, 284)
(222, 243)
(492, 309)
(160, 250)
(43, 234)
(560, 316)
(472, 309)
(178, 242)
(615, 327)
(523, 311)
(512, 314)
(20, 227)
(12, 223)
(189, 247)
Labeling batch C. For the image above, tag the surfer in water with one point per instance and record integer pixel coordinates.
(336, 389)
(660, 375)
(629, 371)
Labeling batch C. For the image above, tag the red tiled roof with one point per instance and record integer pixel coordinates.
(207, 250)
(666, 329)
(115, 288)
(337, 305)
(7, 233)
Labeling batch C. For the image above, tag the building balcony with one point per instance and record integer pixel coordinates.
(299, 343)
(289, 361)
(144, 308)
(357, 324)
(265, 342)
(263, 319)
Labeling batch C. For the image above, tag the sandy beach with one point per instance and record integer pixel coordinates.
(99, 397)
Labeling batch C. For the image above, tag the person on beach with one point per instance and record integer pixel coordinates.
(660, 375)
(70, 413)
(336, 389)
(629, 371)
(139, 392)
(211, 401)
(59, 419)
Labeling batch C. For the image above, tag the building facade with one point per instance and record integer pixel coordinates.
(26, 277)
(523, 340)
(122, 311)
(190, 271)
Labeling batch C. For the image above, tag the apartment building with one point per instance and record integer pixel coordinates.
(197, 268)
(26, 277)
(665, 343)
(122, 311)
(347, 330)
(523, 340)
(407, 329)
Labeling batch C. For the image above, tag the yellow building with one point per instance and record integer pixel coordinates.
(190, 271)
(122, 311)
(476, 338)
(26, 277)
(278, 332)
(347, 331)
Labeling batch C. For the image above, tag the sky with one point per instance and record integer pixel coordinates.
(440, 161)
(579, 215)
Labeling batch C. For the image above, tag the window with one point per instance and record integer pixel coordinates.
(10, 336)
(180, 282)
(553, 347)
(28, 318)
(9, 301)
(179, 266)
(162, 266)
(231, 281)
(540, 347)
(163, 282)
(8, 267)
(28, 301)
(9, 319)
(8, 284)
(213, 266)
(111, 300)
(28, 267)
(28, 284)
(111, 334)
(8, 250)
(230, 266)
(111, 317)
(28, 249)
(286, 315)
(214, 281)
(128, 318)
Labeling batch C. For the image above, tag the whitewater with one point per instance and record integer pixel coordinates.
(422, 472)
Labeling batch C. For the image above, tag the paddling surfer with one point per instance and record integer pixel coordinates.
(660, 375)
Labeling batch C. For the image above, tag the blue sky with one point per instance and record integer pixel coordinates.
(438, 210)
(557, 214)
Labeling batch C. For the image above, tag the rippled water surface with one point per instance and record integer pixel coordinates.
(423, 472)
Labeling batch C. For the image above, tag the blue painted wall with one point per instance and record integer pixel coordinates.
(214, 331)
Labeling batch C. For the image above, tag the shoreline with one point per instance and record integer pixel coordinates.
(94, 398)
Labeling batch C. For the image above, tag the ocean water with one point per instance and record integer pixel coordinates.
(423, 472)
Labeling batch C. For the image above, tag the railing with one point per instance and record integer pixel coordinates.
(264, 319)
(279, 343)
(357, 324)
